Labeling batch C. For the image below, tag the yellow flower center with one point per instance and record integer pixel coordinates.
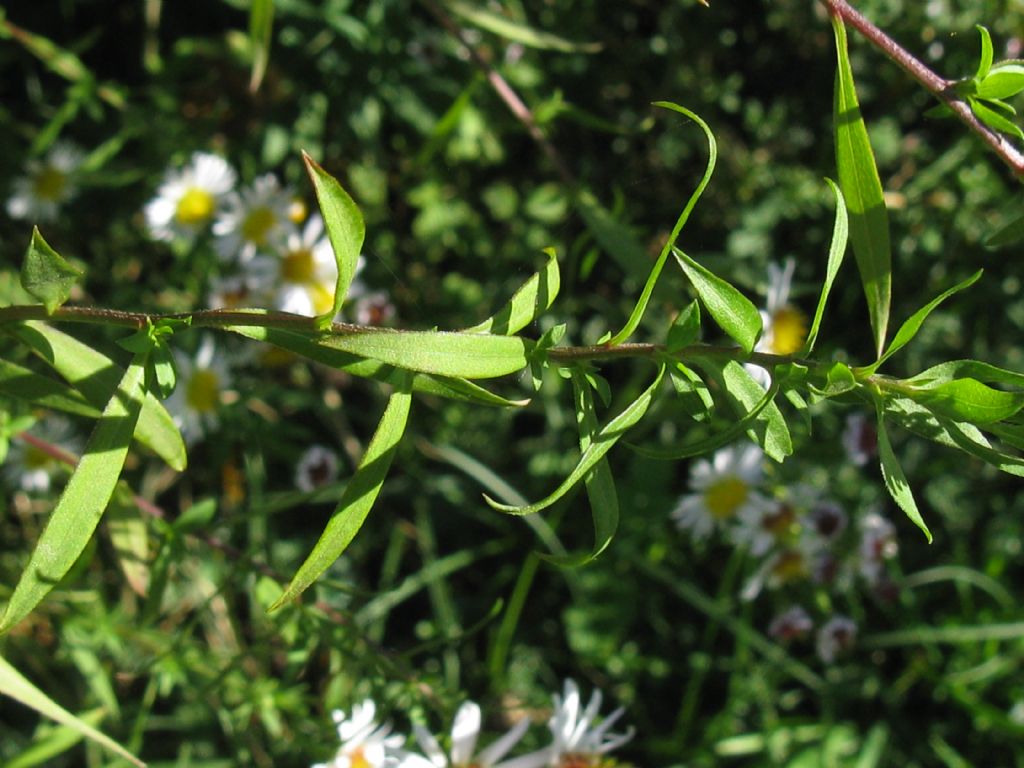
(298, 267)
(781, 522)
(203, 391)
(257, 225)
(357, 758)
(323, 297)
(50, 184)
(790, 566)
(725, 496)
(297, 211)
(195, 207)
(789, 330)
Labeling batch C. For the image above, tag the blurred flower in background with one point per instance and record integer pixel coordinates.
(47, 184)
(318, 466)
(364, 742)
(253, 219)
(188, 199)
(196, 399)
(580, 740)
(836, 637)
(30, 466)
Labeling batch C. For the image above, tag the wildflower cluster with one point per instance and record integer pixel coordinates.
(580, 738)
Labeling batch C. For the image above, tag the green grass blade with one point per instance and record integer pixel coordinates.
(261, 28)
(652, 279)
(532, 299)
(892, 474)
(602, 443)
(345, 229)
(501, 26)
(358, 497)
(23, 384)
(84, 499)
(733, 311)
(836, 252)
(95, 375)
(862, 188)
(19, 688)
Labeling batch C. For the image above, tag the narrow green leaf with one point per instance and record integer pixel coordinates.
(969, 400)
(836, 252)
(358, 497)
(46, 275)
(692, 391)
(983, 110)
(985, 59)
(975, 369)
(652, 279)
(345, 229)
(599, 482)
(915, 418)
(862, 189)
(967, 438)
(19, 688)
(465, 355)
(769, 428)
(261, 27)
(731, 309)
(600, 445)
(913, 324)
(309, 346)
(1005, 81)
(95, 375)
(685, 328)
(54, 741)
(532, 299)
(892, 473)
(84, 498)
(1007, 235)
(520, 33)
(24, 384)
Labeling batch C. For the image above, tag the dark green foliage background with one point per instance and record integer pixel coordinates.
(455, 221)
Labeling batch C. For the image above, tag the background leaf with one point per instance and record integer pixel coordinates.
(261, 28)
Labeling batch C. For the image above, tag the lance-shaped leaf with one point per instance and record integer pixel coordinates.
(46, 275)
(261, 27)
(358, 497)
(913, 323)
(685, 328)
(599, 482)
(465, 355)
(985, 59)
(1003, 82)
(600, 445)
(84, 499)
(836, 251)
(23, 384)
(345, 229)
(968, 438)
(769, 429)
(731, 309)
(993, 118)
(969, 400)
(95, 375)
(652, 279)
(532, 299)
(21, 689)
(308, 346)
(862, 188)
(892, 473)
(975, 369)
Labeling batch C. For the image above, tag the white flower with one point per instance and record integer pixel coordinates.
(723, 490)
(197, 397)
(254, 219)
(465, 733)
(304, 273)
(877, 545)
(364, 743)
(47, 183)
(860, 439)
(784, 327)
(793, 624)
(30, 465)
(577, 740)
(318, 466)
(785, 566)
(837, 636)
(237, 291)
(187, 200)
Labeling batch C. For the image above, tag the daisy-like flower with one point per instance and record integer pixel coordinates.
(877, 545)
(722, 490)
(253, 219)
(31, 468)
(784, 327)
(792, 624)
(197, 397)
(364, 743)
(860, 439)
(836, 636)
(465, 733)
(318, 466)
(785, 566)
(188, 198)
(47, 184)
(578, 741)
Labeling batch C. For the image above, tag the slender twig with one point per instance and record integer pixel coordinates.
(939, 87)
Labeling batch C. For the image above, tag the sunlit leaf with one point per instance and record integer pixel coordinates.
(261, 27)
(985, 112)
(345, 229)
(358, 497)
(895, 480)
(985, 59)
(19, 688)
(46, 275)
(532, 299)
(602, 442)
(733, 311)
(1005, 81)
(23, 384)
(692, 391)
(129, 535)
(685, 328)
(836, 251)
(969, 400)
(84, 499)
(769, 429)
(862, 189)
(652, 279)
